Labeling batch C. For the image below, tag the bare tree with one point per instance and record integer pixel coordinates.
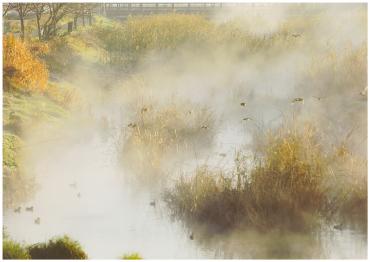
(38, 9)
(6, 8)
(22, 9)
(55, 12)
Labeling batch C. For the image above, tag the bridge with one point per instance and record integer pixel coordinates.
(123, 10)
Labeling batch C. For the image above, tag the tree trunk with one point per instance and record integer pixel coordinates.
(83, 18)
(75, 22)
(90, 18)
(38, 26)
(22, 26)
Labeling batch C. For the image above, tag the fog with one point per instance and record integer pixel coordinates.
(113, 216)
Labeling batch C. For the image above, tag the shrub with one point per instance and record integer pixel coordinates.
(21, 67)
(14, 250)
(159, 135)
(132, 256)
(57, 248)
(290, 180)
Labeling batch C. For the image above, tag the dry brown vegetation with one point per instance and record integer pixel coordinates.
(161, 134)
(291, 181)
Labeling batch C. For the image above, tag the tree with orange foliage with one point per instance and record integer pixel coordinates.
(21, 67)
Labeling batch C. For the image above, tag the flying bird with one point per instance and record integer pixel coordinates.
(297, 100)
(247, 119)
(318, 97)
(364, 91)
(30, 209)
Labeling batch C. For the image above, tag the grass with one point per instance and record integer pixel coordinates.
(160, 133)
(288, 182)
(14, 250)
(57, 248)
(21, 110)
(132, 256)
(136, 38)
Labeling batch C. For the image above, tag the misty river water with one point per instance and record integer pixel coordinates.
(83, 193)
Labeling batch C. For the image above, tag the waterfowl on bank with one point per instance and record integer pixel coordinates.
(30, 209)
(17, 210)
(37, 221)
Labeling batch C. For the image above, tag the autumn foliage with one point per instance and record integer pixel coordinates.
(21, 65)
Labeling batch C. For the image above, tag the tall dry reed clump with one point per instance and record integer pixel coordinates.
(21, 65)
(138, 37)
(159, 136)
(290, 181)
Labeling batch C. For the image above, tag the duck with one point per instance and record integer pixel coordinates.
(30, 209)
(17, 210)
(339, 226)
(243, 104)
(152, 203)
(133, 125)
(191, 236)
(204, 127)
(222, 155)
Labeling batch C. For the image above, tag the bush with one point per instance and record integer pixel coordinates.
(57, 248)
(21, 67)
(14, 250)
(291, 180)
(132, 256)
(159, 134)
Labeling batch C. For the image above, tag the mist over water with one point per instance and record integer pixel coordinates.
(84, 191)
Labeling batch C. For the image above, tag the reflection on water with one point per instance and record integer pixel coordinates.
(84, 194)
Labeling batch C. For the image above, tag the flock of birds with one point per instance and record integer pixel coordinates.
(18, 210)
(37, 221)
